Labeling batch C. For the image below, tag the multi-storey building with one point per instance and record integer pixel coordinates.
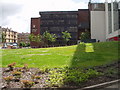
(35, 29)
(83, 21)
(10, 35)
(23, 37)
(57, 22)
(104, 20)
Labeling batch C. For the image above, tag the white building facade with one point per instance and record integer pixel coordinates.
(105, 20)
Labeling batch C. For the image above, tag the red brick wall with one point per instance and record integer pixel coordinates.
(35, 25)
(83, 17)
(35, 29)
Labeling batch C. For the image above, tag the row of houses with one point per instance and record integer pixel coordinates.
(102, 20)
(11, 36)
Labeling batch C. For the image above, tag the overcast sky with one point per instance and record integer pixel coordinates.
(16, 14)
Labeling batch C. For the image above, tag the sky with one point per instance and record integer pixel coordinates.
(16, 14)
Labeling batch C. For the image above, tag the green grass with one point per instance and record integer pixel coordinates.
(105, 52)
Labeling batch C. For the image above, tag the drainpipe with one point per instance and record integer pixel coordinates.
(106, 19)
(112, 15)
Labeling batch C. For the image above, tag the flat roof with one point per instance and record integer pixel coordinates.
(57, 12)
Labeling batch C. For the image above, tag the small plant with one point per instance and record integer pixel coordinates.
(35, 78)
(44, 70)
(8, 80)
(27, 83)
(26, 67)
(19, 70)
(17, 75)
(11, 66)
(55, 78)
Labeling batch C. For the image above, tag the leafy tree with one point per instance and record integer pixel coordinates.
(66, 36)
(85, 35)
(27, 44)
(38, 38)
(52, 38)
(3, 38)
(32, 37)
(22, 44)
(46, 36)
(35, 38)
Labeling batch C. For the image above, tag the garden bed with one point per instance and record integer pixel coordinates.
(59, 77)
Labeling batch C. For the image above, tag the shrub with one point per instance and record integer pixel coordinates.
(8, 78)
(27, 83)
(55, 78)
(17, 75)
(26, 67)
(11, 66)
(35, 77)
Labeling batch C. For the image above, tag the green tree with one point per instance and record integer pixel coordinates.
(35, 38)
(3, 38)
(85, 35)
(66, 36)
(22, 44)
(46, 37)
(32, 37)
(27, 44)
(52, 38)
(38, 38)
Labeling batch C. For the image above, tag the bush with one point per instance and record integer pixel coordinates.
(11, 66)
(8, 79)
(27, 83)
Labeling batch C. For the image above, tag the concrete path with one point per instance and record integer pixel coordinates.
(117, 85)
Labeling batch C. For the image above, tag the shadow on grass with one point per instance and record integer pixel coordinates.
(82, 67)
(84, 59)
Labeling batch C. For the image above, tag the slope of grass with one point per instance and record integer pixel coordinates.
(105, 52)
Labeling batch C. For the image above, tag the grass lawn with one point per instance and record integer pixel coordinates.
(105, 52)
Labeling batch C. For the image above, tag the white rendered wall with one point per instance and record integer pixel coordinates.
(114, 24)
(98, 29)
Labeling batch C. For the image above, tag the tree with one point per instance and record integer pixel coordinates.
(22, 44)
(38, 38)
(3, 38)
(32, 37)
(52, 38)
(46, 37)
(35, 38)
(27, 44)
(85, 35)
(66, 36)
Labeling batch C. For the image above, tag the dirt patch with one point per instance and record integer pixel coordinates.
(110, 73)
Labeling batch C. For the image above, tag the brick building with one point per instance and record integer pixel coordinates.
(10, 35)
(23, 37)
(56, 22)
(83, 21)
(35, 29)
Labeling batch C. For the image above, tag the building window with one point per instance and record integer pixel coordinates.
(95, 6)
(33, 26)
(34, 30)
